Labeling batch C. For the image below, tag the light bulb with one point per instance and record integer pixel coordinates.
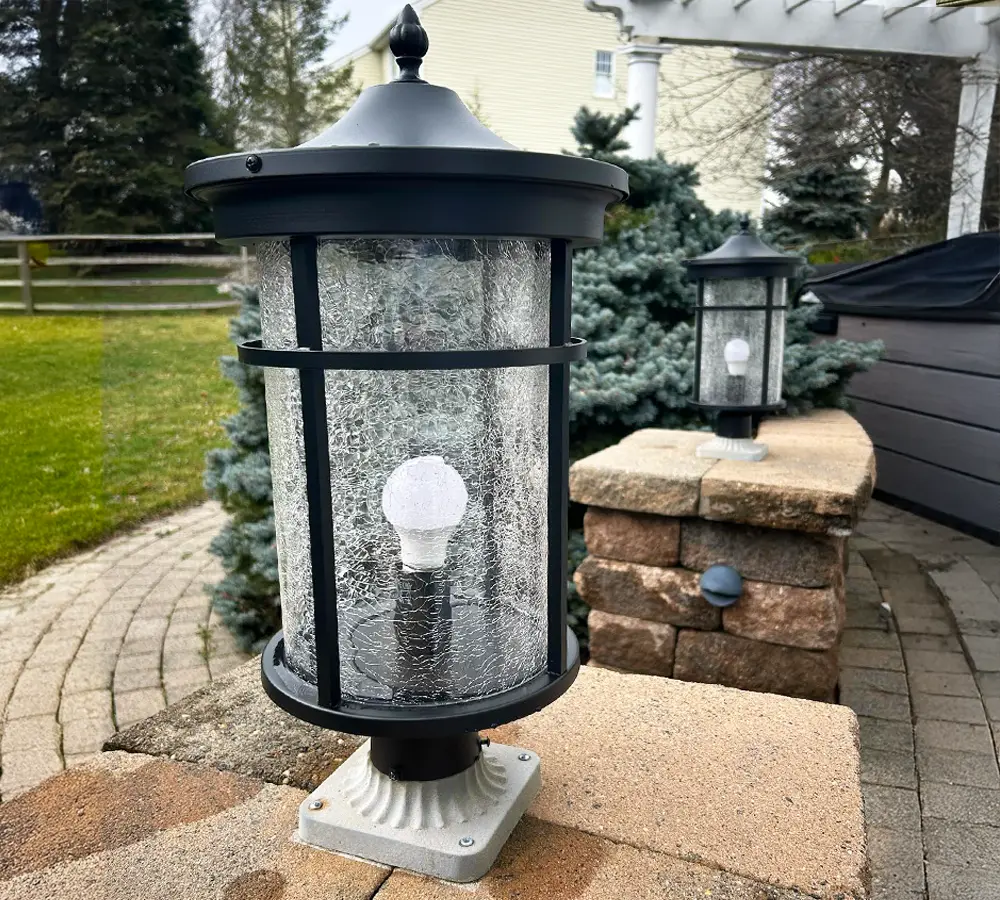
(424, 499)
(737, 353)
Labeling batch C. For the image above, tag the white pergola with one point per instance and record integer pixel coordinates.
(847, 26)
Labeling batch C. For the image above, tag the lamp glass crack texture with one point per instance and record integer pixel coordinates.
(415, 290)
(739, 340)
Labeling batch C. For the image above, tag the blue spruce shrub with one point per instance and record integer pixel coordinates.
(239, 476)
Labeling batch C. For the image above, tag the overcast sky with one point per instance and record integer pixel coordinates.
(366, 18)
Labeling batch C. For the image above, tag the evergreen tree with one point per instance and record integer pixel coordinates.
(824, 196)
(275, 90)
(102, 105)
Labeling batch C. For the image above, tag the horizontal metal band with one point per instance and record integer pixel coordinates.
(740, 308)
(253, 354)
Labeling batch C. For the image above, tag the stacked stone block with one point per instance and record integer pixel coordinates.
(658, 517)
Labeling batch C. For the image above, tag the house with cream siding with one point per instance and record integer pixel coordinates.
(526, 66)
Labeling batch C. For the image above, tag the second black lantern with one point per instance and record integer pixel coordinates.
(740, 339)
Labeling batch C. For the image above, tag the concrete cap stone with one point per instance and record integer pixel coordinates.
(542, 861)
(651, 471)
(683, 778)
(818, 476)
(125, 826)
(232, 725)
(762, 786)
(215, 836)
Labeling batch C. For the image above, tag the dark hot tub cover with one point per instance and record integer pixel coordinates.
(956, 279)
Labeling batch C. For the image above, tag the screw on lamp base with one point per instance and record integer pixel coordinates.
(451, 828)
(733, 439)
(743, 449)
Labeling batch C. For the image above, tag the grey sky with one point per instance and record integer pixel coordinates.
(367, 17)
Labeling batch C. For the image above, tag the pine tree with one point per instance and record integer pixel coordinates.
(276, 91)
(824, 195)
(102, 105)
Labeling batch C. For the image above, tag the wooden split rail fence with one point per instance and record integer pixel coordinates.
(238, 264)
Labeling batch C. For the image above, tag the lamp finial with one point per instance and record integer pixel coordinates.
(408, 42)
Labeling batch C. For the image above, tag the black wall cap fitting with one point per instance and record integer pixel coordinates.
(721, 586)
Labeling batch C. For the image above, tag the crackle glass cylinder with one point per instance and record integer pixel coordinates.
(486, 604)
(749, 310)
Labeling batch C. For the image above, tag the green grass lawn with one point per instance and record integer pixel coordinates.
(103, 422)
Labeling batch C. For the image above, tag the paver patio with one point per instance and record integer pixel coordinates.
(104, 639)
(99, 641)
(925, 683)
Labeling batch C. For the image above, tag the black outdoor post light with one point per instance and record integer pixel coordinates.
(415, 290)
(739, 339)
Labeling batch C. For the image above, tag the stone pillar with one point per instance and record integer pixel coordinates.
(643, 91)
(979, 89)
(658, 517)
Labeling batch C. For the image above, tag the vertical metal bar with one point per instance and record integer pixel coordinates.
(489, 252)
(768, 313)
(698, 324)
(245, 264)
(560, 319)
(24, 275)
(317, 454)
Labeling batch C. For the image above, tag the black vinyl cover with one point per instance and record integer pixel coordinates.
(956, 279)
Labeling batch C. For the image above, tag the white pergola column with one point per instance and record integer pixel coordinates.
(979, 90)
(643, 91)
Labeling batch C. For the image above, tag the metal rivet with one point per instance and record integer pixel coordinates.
(316, 805)
(466, 842)
(524, 757)
(254, 163)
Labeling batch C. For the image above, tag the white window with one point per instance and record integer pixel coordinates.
(604, 73)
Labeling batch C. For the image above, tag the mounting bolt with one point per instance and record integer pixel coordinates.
(316, 805)
(524, 757)
(466, 842)
(254, 163)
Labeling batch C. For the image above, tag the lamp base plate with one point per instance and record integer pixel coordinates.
(452, 828)
(743, 449)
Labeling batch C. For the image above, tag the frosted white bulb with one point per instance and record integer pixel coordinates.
(737, 353)
(424, 499)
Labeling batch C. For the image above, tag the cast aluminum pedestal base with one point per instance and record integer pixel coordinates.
(452, 828)
(744, 449)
